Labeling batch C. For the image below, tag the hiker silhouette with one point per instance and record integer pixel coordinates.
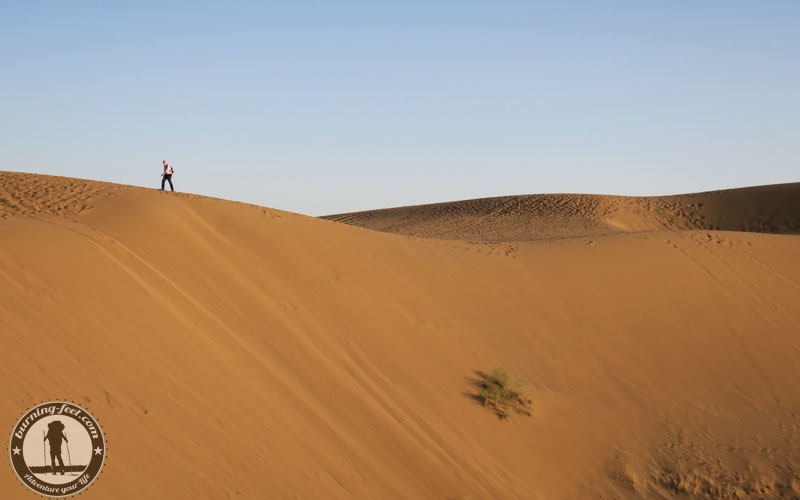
(166, 175)
(55, 433)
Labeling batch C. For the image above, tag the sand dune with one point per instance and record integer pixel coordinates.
(764, 209)
(236, 351)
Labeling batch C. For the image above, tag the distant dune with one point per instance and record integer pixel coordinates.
(236, 351)
(762, 209)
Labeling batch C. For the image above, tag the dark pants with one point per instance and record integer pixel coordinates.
(56, 454)
(167, 178)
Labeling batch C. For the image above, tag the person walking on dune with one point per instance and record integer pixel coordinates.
(55, 433)
(166, 176)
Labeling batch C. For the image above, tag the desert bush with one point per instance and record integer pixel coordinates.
(497, 392)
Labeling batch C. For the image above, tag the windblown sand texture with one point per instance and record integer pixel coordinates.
(764, 209)
(235, 351)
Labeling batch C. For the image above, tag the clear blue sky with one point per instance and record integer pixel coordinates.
(333, 106)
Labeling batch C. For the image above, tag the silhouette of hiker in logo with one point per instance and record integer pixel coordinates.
(55, 433)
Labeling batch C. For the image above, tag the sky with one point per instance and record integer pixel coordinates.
(323, 107)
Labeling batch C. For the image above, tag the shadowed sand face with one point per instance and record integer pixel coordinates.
(766, 209)
(230, 349)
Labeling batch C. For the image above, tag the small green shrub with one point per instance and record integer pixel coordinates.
(497, 392)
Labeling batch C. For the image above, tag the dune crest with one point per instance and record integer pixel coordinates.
(236, 351)
(762, 209)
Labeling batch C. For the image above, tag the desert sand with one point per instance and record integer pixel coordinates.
(236, 351)
(765, 209)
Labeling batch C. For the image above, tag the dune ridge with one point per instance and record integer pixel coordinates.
(763, 209)
(236, 351)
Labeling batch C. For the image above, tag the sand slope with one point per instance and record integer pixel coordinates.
(766, 209)
(234, 351)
